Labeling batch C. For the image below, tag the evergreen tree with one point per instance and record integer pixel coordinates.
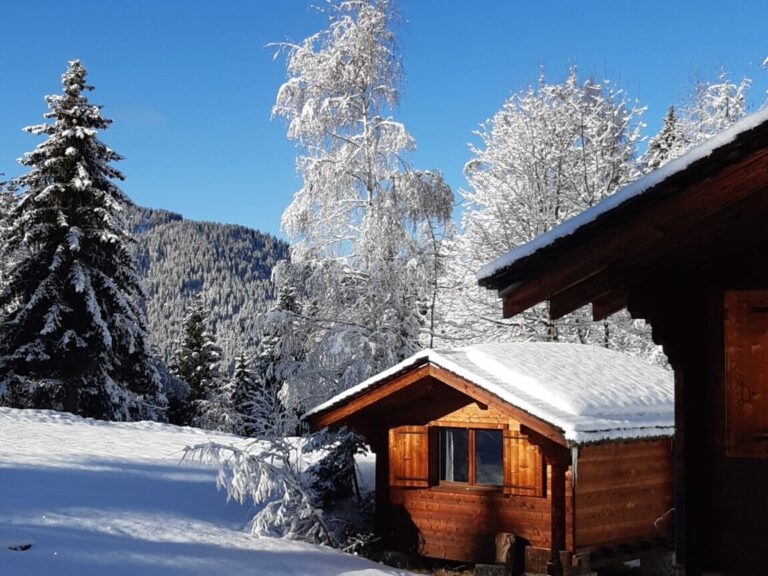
(667, 145)
(73, 329)
(244, 393)
(282, 356)
(197, 362)
(6, 205)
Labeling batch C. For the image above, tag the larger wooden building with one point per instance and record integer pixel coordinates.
(685, 249)
(567, 447)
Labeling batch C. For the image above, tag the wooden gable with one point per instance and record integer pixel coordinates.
(421, 395)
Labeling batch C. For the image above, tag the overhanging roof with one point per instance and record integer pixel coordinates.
(589, 393)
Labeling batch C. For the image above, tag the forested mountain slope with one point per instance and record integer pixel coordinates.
(179, 258)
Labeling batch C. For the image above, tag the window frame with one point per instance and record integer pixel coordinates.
(471, 483)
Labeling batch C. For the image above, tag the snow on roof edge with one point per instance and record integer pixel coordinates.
(636, 188)
(409, 362)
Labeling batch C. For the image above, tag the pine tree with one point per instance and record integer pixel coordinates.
(7, 201)
(667, 145)
(197, 362)
(244, 393)
(73, 329)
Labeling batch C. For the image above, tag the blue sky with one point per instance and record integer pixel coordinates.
(190, 83)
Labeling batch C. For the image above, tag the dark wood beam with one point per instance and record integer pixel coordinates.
(558, 457)
(558, 468)
(607, 304)
(579, 295)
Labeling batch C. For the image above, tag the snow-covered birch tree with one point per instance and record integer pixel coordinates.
(552, 151)
(709, 108)
(72, 327)
(364, 223)
(714, 106)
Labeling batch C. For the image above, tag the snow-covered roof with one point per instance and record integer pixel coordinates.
(633, 190)
(590, 393)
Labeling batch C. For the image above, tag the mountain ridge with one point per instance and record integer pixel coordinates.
(230, 264)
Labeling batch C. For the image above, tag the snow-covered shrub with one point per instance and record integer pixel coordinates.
(299, 495)
(349, 510)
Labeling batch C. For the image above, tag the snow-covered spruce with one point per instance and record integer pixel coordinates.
(73, 330)
(709, 109)
(667, 145)
(6, 205)
(244, 391)
(209, 404)
(365, 227)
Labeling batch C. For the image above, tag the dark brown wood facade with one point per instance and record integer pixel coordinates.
(589, 500)
(689, 257)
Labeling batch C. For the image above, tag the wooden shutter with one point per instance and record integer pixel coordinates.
(523, 466)
(746, 373)
(409, 456)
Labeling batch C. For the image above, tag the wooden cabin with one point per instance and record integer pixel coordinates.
(685, 249)
(550, 442)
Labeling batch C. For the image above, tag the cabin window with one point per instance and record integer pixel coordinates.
(489, 455)
(471, 456)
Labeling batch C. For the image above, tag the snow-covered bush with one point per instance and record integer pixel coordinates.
(305, 488)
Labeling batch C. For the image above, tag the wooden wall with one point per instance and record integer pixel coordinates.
(621, 489)
(461, 524)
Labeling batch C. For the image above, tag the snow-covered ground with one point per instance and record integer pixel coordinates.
(96, 498)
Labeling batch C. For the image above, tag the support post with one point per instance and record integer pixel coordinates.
(558, 466)
(558, 457)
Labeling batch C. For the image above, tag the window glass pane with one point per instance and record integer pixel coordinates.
(454, 454)
(488, 457)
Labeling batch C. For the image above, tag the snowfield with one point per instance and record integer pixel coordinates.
(103, 498)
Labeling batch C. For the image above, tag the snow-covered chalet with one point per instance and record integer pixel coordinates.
(564, 447)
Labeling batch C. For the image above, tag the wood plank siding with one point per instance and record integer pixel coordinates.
(622, 492)
(460, 522)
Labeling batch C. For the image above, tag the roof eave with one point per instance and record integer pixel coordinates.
(521, 271)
